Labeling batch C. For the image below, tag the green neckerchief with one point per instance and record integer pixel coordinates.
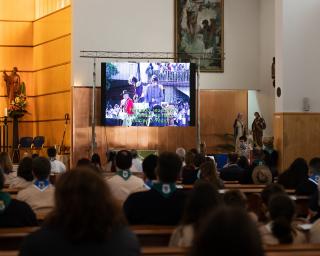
(124, 174)
(5, 200)
(165, 189)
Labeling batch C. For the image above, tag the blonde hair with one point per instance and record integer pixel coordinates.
(5, 162)
(208, 172)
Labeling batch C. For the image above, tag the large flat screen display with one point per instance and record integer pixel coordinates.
(148, 94)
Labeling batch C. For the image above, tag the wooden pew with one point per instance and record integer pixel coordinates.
(152, 235)
(9, 253)
(11, 238)
(165, 251)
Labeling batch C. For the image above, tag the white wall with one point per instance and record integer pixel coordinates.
(148, 25)
(298, 53)
(262, 101)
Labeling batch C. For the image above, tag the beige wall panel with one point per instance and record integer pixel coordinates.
(52, 80)
(17, 10)
(20, 57)
(52, 53)
(16, 33)
(52, 26)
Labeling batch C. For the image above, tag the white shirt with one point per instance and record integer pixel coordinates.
(121, 188)
(57, 166)
(136, 165)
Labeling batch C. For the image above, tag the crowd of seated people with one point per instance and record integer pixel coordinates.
(89, 212)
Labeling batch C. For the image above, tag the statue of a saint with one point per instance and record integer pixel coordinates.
(12, 83)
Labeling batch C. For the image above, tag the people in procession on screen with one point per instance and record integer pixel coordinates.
(154, 92)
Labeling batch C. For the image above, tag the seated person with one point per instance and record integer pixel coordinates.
(280, 229)
(85, 221)
(228, 231)
(190, 170)
(56, 165)
(271, 156)
(40, 194)
(202, 199)
(7, 168)
(14, 213)
(314, 169)
(244, 147)
(24, 174)
(124, 183)
(136, 162)
(232, 172)
(208, 173)
(149, 165)
(163, 203)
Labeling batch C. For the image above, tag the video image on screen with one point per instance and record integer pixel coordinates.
(147, 94)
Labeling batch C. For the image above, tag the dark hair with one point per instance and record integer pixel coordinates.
(5, 162)
(244, 138)
(1, 180)
(243, 163)
(52, 152)
(84, 207)
(25, 169)
(124, 159)
(228, 232)
(315, 164)
(257, 114)
(271, 190)
(208, 172)
(35, 155)
(190, 157)
(233, 158)
(202, 199)
(282, 210)
(83, 162)
(169, 166)
(149, 165)
(134, 153)
(235, 198)
(111, 155)
(95, 160)
(41, 168)
(199, 159)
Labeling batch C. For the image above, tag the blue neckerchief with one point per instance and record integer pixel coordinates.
(5, 200)
(148, 183)
(41, 185)
(125, 174)
(314, 178)
(165, 189)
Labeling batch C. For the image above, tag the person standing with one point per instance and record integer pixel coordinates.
(258, 126)
(154, 93)
(13, 84)
(126, 106)
(239, 129)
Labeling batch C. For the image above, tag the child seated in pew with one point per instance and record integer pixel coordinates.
(40, 194)
(149, 165)
(208, 172)
(227, 232)
(24, 174)
(202, 199)
(280, 229)
(85, 221)
(163, 204)
(14, 213)
(6, 168)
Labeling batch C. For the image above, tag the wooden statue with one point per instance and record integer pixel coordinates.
(12, 83)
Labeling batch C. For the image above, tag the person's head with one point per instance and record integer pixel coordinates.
(228, 231)
(25, 169)
(199, 159)
(243, 163)
(149, 165)
(235, 198)
(134, 153)
(257, 155)
(154, 79)
(52, 152)
(314, 165)
(83, 162)
(256, 114)
(208, 171)
(35, 155)
(132, 80)
(271, 190)
(111, 155)
(5, 162)
(169, 166)
(299, 168)
(268, 142)
(205, 23)
(190, 157)
(85, 209)
(243, 139)
(124, 160)
(95, 160)
(232, 158)
(240, 116)
(202, 199)
(282, 210)
(125, 94)
(41, 168)
(181, 152)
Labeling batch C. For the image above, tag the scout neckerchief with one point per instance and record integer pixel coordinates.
(41, 185)
(124, 174)
(5, 200)
(165, 189)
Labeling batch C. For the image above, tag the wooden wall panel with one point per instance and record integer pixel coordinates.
(52, 53)
(219, 109)
(17, 10)
(52, 26)
(16, 33)
(278, 137)
(20, 57)
(52, 80)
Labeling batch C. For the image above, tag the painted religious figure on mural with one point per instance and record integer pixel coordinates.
(12, 83)
(258, 125)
